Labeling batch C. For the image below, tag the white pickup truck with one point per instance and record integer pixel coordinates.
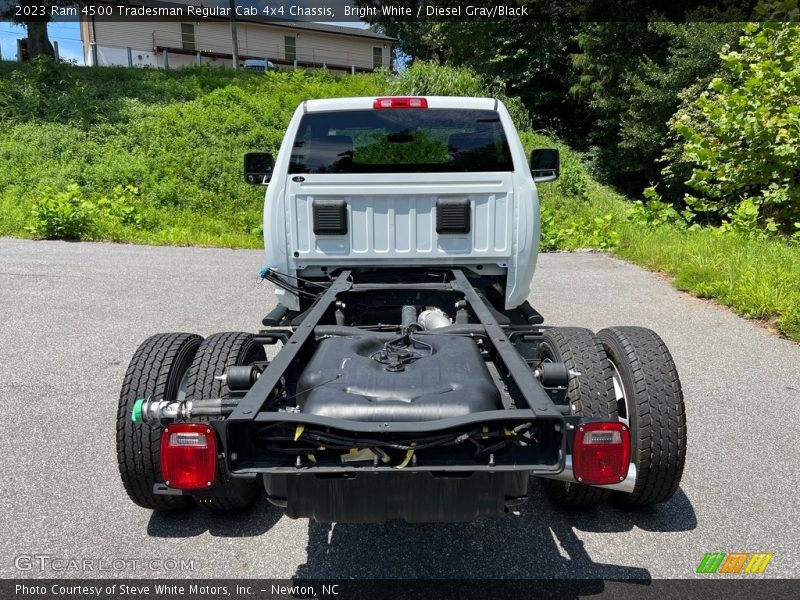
(414, 380)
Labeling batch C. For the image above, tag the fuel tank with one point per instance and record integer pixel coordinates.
(424, 378)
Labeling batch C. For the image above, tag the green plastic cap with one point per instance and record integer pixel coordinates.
(136, 413)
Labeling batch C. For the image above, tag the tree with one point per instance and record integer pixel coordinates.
(530, 58)
(36, 24)
(630, 81)
(413, 37)
(743, 132)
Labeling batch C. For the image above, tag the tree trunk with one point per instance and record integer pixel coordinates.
(38, 40)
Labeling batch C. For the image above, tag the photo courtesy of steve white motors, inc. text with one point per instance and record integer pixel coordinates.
(112, 590)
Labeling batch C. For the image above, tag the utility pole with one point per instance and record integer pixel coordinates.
(234, 37)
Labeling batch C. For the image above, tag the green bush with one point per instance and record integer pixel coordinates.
(744, 133)
(574, 179)
(63, 215)
(654, 212)
(76, 214)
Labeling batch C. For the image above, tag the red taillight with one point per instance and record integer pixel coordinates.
(400, 102)
(601, 452)
(188, 456)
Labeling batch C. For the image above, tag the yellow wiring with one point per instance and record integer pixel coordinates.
(407, 459)
(298, 432)
(358, 454)
(312, 458)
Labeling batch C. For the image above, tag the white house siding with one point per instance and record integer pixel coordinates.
(214, 37)
(340, 49)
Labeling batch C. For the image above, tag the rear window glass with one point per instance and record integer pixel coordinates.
(400, 140)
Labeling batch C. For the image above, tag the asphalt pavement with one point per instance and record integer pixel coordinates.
(72, 314)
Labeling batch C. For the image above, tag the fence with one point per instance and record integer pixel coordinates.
(200, 46)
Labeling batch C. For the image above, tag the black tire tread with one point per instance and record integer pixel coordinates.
(155, 371)
(590, 394)
(658, 413)
(215, 355)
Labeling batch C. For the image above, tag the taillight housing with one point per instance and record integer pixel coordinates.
(601, 452)
(188, 456)
(400, 102)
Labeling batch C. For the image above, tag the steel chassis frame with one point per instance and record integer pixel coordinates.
(527, 388)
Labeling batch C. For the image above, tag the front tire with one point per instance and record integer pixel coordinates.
(590, 394)
(156, 371)
(655, 412)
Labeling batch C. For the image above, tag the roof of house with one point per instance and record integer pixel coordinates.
(287, 23)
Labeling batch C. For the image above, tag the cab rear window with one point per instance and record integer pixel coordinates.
(400, 140)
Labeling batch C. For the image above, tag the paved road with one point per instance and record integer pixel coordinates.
(71, 316)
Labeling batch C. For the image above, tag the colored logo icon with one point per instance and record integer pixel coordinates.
(735, 563)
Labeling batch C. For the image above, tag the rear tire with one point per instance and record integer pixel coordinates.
(656, 412)
(215, 355)
(156, 371)
(591, 394)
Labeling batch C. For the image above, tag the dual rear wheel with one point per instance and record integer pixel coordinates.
(173, 367)
(625, 373)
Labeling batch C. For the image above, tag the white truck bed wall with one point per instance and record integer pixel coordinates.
(391, 218)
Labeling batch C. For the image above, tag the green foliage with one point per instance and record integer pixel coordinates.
(434, 79)
(177, 137)
(757, 278)
(574, 179)
(630, 91)
(49, 91)
(75, 214)
(122, 205)
(591, 221)
(159, 161)
(745, 136)
(654, 212)
(63, 215)
(154, 157)
(598, 233)
(531, 58)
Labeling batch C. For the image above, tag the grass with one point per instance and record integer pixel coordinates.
(758, 279)
(176, 137)
(153, 157)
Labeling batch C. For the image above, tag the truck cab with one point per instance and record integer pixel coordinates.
(403, 182)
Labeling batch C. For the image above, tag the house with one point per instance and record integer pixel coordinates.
(178, 42)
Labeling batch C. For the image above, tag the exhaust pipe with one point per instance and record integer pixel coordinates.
(433, 318)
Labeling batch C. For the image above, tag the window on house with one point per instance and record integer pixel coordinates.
(187, 36)
(290, 47)
(377, 57)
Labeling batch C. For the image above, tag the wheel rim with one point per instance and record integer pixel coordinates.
(621, 397)
(180, 395)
